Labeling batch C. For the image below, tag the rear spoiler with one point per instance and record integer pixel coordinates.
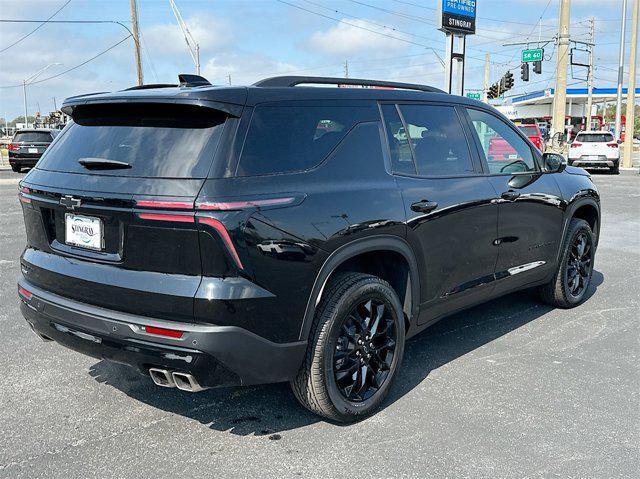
(70, 104)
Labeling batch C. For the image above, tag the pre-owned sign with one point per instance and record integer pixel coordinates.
(457, 16)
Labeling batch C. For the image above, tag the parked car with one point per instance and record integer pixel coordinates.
(28, 145)
(213, 236)
(595, 149)
(534, 134)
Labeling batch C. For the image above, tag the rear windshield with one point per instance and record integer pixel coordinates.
(529, 130)
(594, 137)
(33, 137)
(156, 140)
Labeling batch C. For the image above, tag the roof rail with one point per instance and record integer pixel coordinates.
(149, 86)
(188, 80)
(290, 81)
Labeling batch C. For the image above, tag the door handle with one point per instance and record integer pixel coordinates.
(510, 195)
(424, 206)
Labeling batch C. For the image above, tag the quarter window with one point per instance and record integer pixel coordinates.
(504, 150)
(294, 138)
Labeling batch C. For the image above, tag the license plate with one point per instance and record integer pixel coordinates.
(33, 150)
(593, 158)
(83, 231)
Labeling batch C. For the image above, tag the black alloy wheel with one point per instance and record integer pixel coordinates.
(364, 350)
(355, 347)
(570, 283)
(579, 264)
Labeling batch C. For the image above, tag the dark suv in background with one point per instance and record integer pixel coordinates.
(215, 236)
(28, 145)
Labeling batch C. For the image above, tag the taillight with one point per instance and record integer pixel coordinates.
(224, 235)
(169, 333)
(162, 217)
(23, 190)
(24, 293)
(242, 205)
(575, 145)
(612, 145)
(13, 147)
(184, 205)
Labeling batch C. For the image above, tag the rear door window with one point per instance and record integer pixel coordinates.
(283, 139)
(435, 137)
(156, 140)
(33, 137)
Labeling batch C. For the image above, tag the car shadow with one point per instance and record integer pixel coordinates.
(270, 410)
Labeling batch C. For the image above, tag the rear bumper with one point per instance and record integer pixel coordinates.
(605, 162)
(26, 161)
(214, 355)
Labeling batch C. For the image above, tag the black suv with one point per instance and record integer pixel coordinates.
(215, 236)
(28, 145)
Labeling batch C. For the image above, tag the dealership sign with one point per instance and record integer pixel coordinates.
(457, 16)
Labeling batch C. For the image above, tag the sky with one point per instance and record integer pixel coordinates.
(247, 40)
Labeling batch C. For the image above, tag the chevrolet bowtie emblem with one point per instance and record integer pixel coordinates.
(70, 202)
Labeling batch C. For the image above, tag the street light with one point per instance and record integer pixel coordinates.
(25, 82)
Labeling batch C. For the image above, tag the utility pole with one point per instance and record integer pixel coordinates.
(346, 68)
(136, 39)
(560, 92)
(485, 88)
(590, 74)
(620, 70)
(24, 91)
(631, 88)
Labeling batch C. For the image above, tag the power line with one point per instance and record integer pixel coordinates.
(72, 68)
(37, 28)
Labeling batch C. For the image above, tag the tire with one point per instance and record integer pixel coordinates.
(16, 168)
(615, 169)
(559, 292)
(331, 349)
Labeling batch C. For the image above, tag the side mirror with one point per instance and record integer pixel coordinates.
(553, 162)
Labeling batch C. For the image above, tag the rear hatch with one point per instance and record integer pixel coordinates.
(30, 144)
(109, 208)
(593, 147)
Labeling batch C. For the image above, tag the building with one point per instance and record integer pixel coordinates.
(537, 107)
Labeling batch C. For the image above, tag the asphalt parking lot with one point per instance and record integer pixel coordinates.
(511, 388)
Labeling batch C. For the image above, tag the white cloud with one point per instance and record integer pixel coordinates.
(210, 32)
(244, 68)
(345, 40)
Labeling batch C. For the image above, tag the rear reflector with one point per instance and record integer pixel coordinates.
(224, 235)
(161, 217)
(23, 292)
(169, 333)
(165, 204)
(241, 205)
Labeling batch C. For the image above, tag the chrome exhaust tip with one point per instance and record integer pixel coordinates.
(162, 378)
(186, 382)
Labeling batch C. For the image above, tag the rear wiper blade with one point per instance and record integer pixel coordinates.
(103, 164)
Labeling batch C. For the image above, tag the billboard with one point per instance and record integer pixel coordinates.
(457, 16)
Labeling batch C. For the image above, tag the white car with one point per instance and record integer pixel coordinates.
(594, 149)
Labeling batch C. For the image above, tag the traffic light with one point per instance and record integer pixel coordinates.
(524, 72)
(537, 67)
(494, 91)
(508, 81)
